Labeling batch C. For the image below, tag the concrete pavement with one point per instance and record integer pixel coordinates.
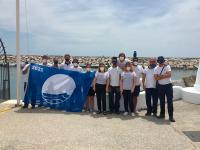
(41, 128)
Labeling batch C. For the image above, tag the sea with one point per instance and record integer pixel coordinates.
(176, 75)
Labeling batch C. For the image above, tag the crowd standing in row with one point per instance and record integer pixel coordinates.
(123, 79)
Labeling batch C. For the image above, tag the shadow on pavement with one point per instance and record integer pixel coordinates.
(108, 116)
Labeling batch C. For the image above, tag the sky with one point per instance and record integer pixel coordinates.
(104, 27)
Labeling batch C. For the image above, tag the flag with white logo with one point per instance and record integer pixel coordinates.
(57, 88)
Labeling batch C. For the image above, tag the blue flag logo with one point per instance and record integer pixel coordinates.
(57, 88)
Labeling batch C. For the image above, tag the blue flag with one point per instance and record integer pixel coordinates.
(57, 88)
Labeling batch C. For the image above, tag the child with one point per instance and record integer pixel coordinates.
(101, 87)
(76, 66)
(89, 105)
(127, 87)
(114, 86)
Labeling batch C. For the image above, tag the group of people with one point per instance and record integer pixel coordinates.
(123, 79)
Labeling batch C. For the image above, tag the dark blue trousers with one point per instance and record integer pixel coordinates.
(166, 90)
(151, 95)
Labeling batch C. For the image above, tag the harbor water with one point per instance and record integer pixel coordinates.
(176, 75)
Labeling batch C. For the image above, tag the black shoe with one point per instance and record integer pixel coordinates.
(25, 106)
(110, 112)
(98, 112)
(148, 114)
(161, 117)
(33, 107)
(117, 112)
(104, 113)
(40, 105)
(154, 114)
(171, 119)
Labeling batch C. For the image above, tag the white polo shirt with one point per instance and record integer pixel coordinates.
(101, 77)
(158, 70)
(150, 81)
(122, 64)
(114, 75)
(25, 76)
(66, 67)
(139, 71)
(79, 69)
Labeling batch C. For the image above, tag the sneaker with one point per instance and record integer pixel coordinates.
(133, 114)
(25, 106)
(91, 110)
(136, 112)
(125, 113)
(98, 112)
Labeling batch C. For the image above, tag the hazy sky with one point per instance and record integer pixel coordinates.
(104, 27)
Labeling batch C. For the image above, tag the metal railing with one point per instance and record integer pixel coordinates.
(4, 74)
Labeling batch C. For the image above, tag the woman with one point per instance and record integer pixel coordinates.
(89, 105)
(127, 86)
(101, 87)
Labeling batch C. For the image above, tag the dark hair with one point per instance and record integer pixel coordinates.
(75, 60)
(114, 59)
(67, 55)
(45, 57)
(122, 55)
(127, 64)
(100, 65)
(135, 59)
(88, 64)
(161, 60)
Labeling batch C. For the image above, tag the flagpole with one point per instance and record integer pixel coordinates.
(18, 72)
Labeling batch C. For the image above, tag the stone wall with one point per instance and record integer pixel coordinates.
(178, 63)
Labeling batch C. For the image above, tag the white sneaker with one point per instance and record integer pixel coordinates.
(133, 114)
(125, 113)
(136, 112)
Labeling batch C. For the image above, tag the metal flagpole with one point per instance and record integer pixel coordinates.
(18, 72)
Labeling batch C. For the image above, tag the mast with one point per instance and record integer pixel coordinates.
(18, 57)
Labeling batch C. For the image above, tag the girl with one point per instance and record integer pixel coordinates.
(89, 105)
(127, 87)
(101, 87)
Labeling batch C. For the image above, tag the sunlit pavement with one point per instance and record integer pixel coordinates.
(42, 128)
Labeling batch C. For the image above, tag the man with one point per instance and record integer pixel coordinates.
(149, 85)
(139, 73)
(55, 62)
(114, 86)
(67, 65)
(121, 61)
(25, 72)
(163, 75)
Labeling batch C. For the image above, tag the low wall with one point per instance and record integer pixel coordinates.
(141, 100)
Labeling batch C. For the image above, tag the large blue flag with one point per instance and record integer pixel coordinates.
(58, 88)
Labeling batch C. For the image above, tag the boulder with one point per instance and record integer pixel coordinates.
(189, 81)
(178, 83)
